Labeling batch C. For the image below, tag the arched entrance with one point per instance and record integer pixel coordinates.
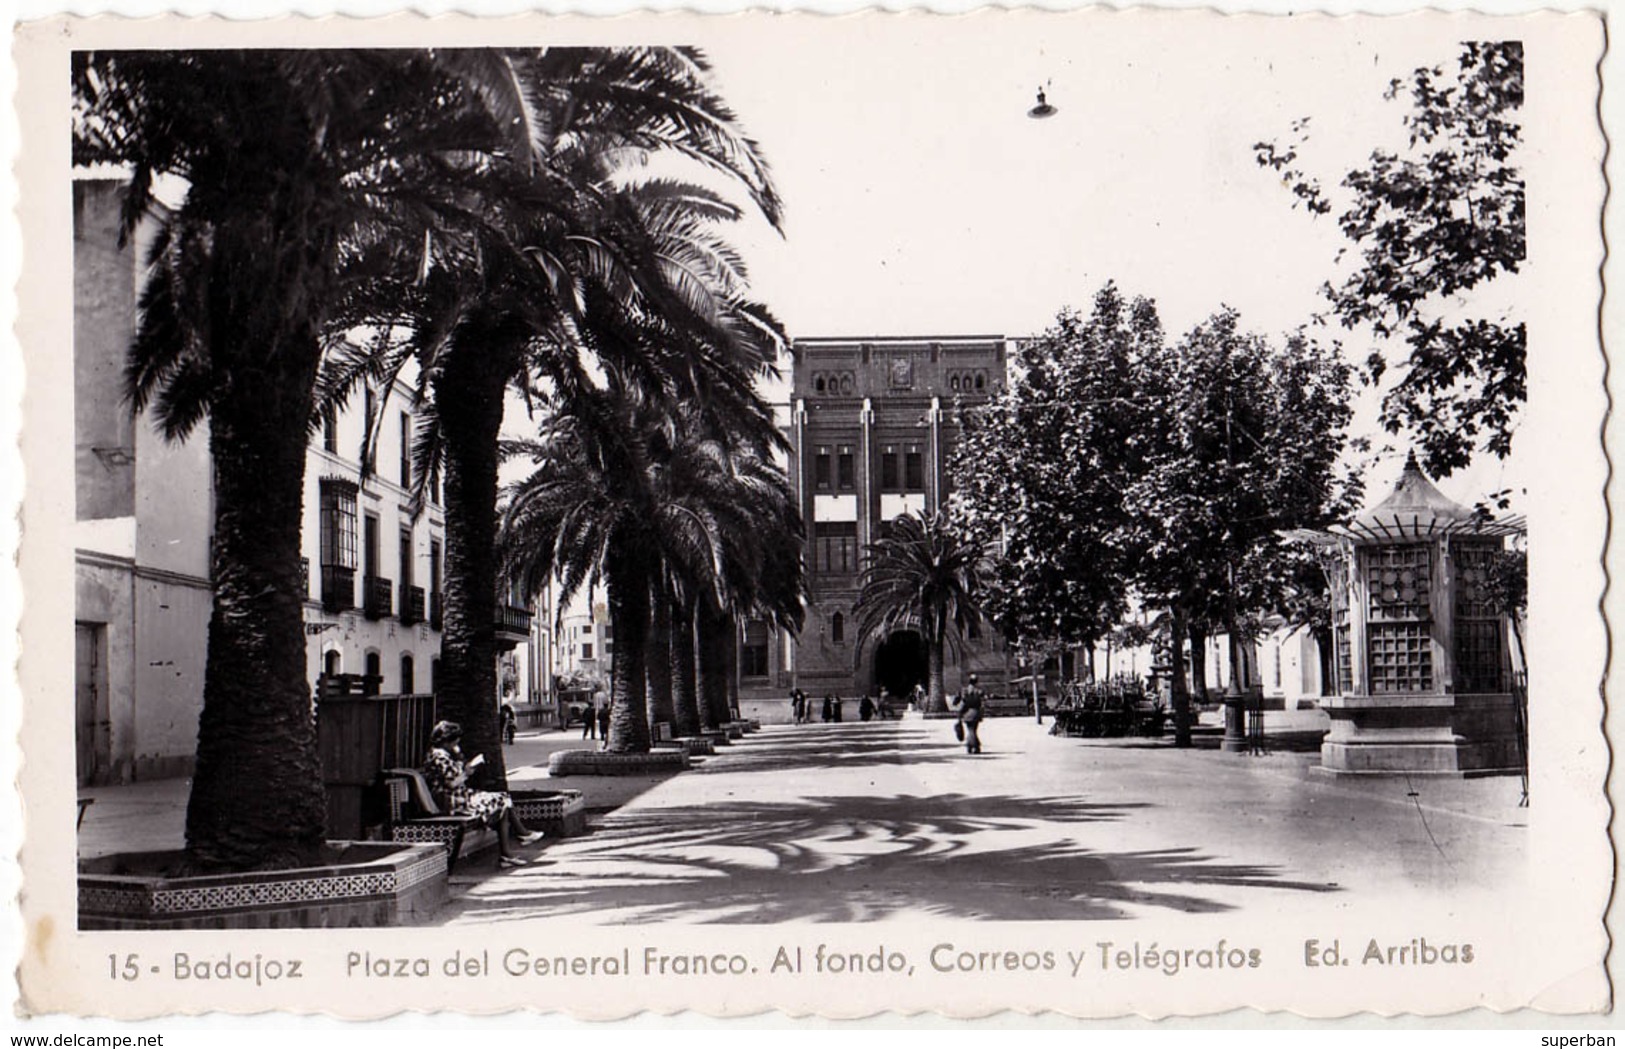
(900, 663)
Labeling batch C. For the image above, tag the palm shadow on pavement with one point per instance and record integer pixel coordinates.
(862, 858)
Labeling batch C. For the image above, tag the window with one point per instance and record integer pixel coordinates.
(406, 559)
(330, 429)
(981, 381)
(1399, 634)
(821, 470)
(818, 384)
(845, 472)
(370, 545)
(587, 629)
(1478, 621)
(837, 628)
(406, 673)
(888, 470)
(434, 565)
(586, 651)
(914, 471)
(753, 650)
(369, 447)
(331, 664)
(406, 450)
(338, 524)
(835, 548)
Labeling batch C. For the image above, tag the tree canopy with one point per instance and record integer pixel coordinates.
(1433, 223)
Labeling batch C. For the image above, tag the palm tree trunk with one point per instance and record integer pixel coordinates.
(629, 612)
(1178, 694)
(936, 699)
(468, 396)
(710, 625)
(257, 799)
(731, 665)
(685, 693)
(661, 706)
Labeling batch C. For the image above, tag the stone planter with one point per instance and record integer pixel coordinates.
(693, 746)
(602, 763)
(556, 813)
(365, 884)
(717, 736)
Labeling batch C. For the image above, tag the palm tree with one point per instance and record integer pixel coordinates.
(570, 267)
(295, 163)
(922, 575)
(587, 508)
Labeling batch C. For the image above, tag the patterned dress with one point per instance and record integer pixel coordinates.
(444, 774)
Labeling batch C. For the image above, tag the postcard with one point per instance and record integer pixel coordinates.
(1093, 512)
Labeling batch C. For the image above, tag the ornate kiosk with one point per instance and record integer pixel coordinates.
(1424, 666)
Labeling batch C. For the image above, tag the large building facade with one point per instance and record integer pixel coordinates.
(871, 430)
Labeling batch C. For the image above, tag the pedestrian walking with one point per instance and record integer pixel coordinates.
(970, 715)
(798, 706)
(589, 719)
(829, 708)
(603, 724)
(866, 709)
(510, 724)
(837, 708)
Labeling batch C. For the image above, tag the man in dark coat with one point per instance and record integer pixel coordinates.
(970, 715)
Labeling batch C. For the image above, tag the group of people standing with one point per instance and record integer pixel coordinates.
(967, 726)
(804, 710)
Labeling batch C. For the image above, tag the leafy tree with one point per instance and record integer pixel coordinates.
(1040, 470)
(1431, 224)
(1252, 449)
(923, 574)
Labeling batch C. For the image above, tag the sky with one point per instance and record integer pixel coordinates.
(921, 199)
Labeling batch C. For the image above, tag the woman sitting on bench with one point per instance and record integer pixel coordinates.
(447, 776)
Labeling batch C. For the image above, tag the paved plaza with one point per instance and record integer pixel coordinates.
(866, 822)
(863, 822)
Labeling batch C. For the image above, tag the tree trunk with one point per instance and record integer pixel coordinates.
(710, 625)
(1198, 633)
(1328, 661)
(468, 395)
(731, 636)
(685, 695)
(659, 671)
(256, 798)
(936, 699)
(629, 612)
(1177, 692)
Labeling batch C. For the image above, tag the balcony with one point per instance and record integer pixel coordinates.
(437, 611)
(338, 588)
(512, 625)
(379, 596)
(412, 605)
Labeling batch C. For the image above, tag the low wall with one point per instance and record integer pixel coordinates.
(366, 884)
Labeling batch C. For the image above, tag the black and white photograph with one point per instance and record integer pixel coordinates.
(1099, 512)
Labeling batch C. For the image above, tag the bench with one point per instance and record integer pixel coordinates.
(414, 818)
